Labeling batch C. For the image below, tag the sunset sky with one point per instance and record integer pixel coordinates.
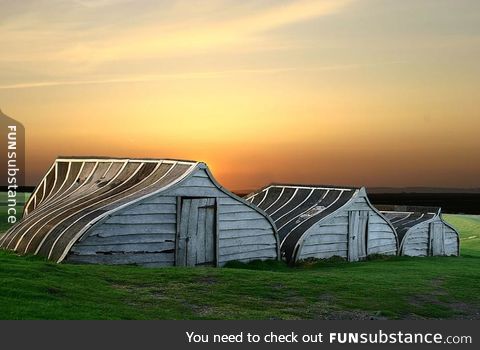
(366, 92)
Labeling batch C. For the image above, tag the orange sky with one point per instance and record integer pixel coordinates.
(377, 93)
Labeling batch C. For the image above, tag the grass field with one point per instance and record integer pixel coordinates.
(397, 287)
(21, 198)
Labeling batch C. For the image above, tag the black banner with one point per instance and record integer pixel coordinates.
(241, 334)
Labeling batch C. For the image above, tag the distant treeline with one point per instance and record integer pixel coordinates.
(19, 189)
(453, 203)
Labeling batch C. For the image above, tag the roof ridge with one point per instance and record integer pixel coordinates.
(313, 186)
(124, 158)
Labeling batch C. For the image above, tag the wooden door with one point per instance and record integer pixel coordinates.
(437, 241)
(196, 236)
(357, 234)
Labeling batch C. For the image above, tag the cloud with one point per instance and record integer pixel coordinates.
(184, 38)
(101, 31)
(98, 3)
(68, 43)
(193, 75)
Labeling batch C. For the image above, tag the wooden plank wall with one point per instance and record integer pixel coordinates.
(327, 239)
(381, 237)
(144, 233)
(415, 242)
(451, 241)
(330, 238)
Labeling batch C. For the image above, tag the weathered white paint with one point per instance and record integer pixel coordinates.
(451, 241)
(433, 237)
(243, 232)
(357, 234)
(333, 236)
(416, 241)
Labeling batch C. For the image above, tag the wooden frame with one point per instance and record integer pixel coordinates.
(56, 240)
(179, 200)
(106, 215)
(359, 193)
(429, 222)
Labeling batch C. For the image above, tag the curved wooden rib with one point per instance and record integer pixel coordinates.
(75, 193)
(292, 208)
(405, 221)
(90, 192)
(86, 172)
(66, 191)
(160, 180)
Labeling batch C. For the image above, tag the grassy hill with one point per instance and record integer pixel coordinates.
(396, 287)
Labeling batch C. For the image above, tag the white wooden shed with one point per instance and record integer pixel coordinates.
(422, 231)
(322, 221)
(150, 212)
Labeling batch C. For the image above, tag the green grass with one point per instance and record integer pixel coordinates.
(21, 198)
(396, 287)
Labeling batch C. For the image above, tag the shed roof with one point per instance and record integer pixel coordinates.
(403, 221)
(78, 191)
(295, 208)
(408, 208)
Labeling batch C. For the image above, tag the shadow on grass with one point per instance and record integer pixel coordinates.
(311, 263)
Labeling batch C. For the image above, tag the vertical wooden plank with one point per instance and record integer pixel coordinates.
(196, 226)
(353, 229)
(367, 233)
(216, 233)
(362, 234)
(191, 239)
(437, 241)
(178, 215)
(349, 229)
(430, 240)
(201, 233)
(438, 238)
(210, 231)
(182, 251)
(442, 234)
(434, 240)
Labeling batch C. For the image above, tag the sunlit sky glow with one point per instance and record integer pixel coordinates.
(357, 92)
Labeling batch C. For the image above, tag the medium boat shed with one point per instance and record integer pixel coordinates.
(422, 231)
(150, 212)
(322, 222)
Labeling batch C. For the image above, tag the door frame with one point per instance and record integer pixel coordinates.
(349, 231)
(433, 235)
(178, 220)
